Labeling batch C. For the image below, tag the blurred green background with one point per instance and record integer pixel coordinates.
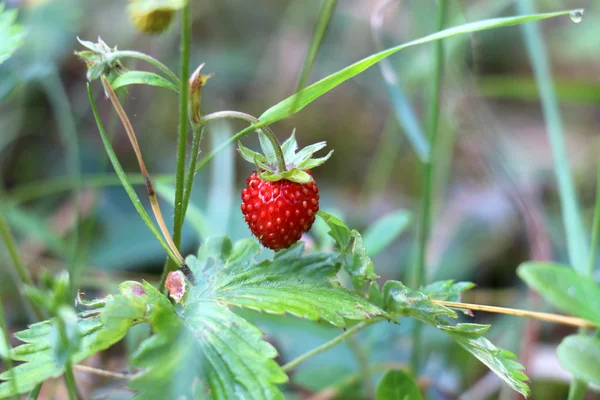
(496, 199)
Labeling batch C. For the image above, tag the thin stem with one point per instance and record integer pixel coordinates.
(429, 181)
(256, 124)
(124, 179)
(33, 395)
(20, 268)
(182, 137)
(196, 139)
(147, 58)
(595, 228)
(70, 380)
(149, 186)
(556, 318)
(101, 372)
(202, 163)
(326, 346)
(363, 362)
(8, 360)
(69, 377)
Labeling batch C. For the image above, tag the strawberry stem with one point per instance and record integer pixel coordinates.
(264, 129)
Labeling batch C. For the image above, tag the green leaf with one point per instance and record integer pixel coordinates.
(289, 283)
(142, 78)
(580, 355)
(577, 241)
(402, 301)
(564, 288)
(12, 36)
(98, 329)
(398, 385)
(447, 290)
(210, 342)
(385, 230)
(352, 251)
(296, 102)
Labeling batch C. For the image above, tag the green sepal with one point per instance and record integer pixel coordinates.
(250, 155)
(306, 153)
(314, 162)
(296, 163)
(290, 146)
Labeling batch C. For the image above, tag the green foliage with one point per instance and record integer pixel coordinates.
(580, 355)
(398, 385)
(12, 35)
(96, 330)
(142, 78)
(385, 230)
(401, 301)
(207, 341)
(298, 101)
(290, 283)
(564, 288)
(352, 251)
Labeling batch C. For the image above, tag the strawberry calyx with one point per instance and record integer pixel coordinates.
(296, 163)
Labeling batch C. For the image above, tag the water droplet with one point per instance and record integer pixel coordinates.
(571, 291)
(576, 15)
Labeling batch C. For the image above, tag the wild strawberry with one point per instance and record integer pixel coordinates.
(279, 206)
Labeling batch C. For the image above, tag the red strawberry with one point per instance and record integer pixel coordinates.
(278, 213)
(281, 199)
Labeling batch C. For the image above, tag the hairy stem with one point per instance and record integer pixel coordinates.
(182, 137)
(429, 181)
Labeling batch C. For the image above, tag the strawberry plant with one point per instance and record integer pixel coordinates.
(203, 339)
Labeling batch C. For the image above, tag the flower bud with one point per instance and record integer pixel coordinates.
(153, 16)
(197, 80)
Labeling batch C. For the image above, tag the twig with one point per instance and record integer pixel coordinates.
(556, 318)
(149, 186)
(100, 372)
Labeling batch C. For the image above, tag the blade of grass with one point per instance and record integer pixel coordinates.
(124, 180)
(576, 240)
(403, 110)
(575, 237)
(325, 15)
(428, 179)
(284, 108)
(184, 72)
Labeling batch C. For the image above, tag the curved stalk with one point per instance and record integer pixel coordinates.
(145, 57)
(147, 180)
(256, 125)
